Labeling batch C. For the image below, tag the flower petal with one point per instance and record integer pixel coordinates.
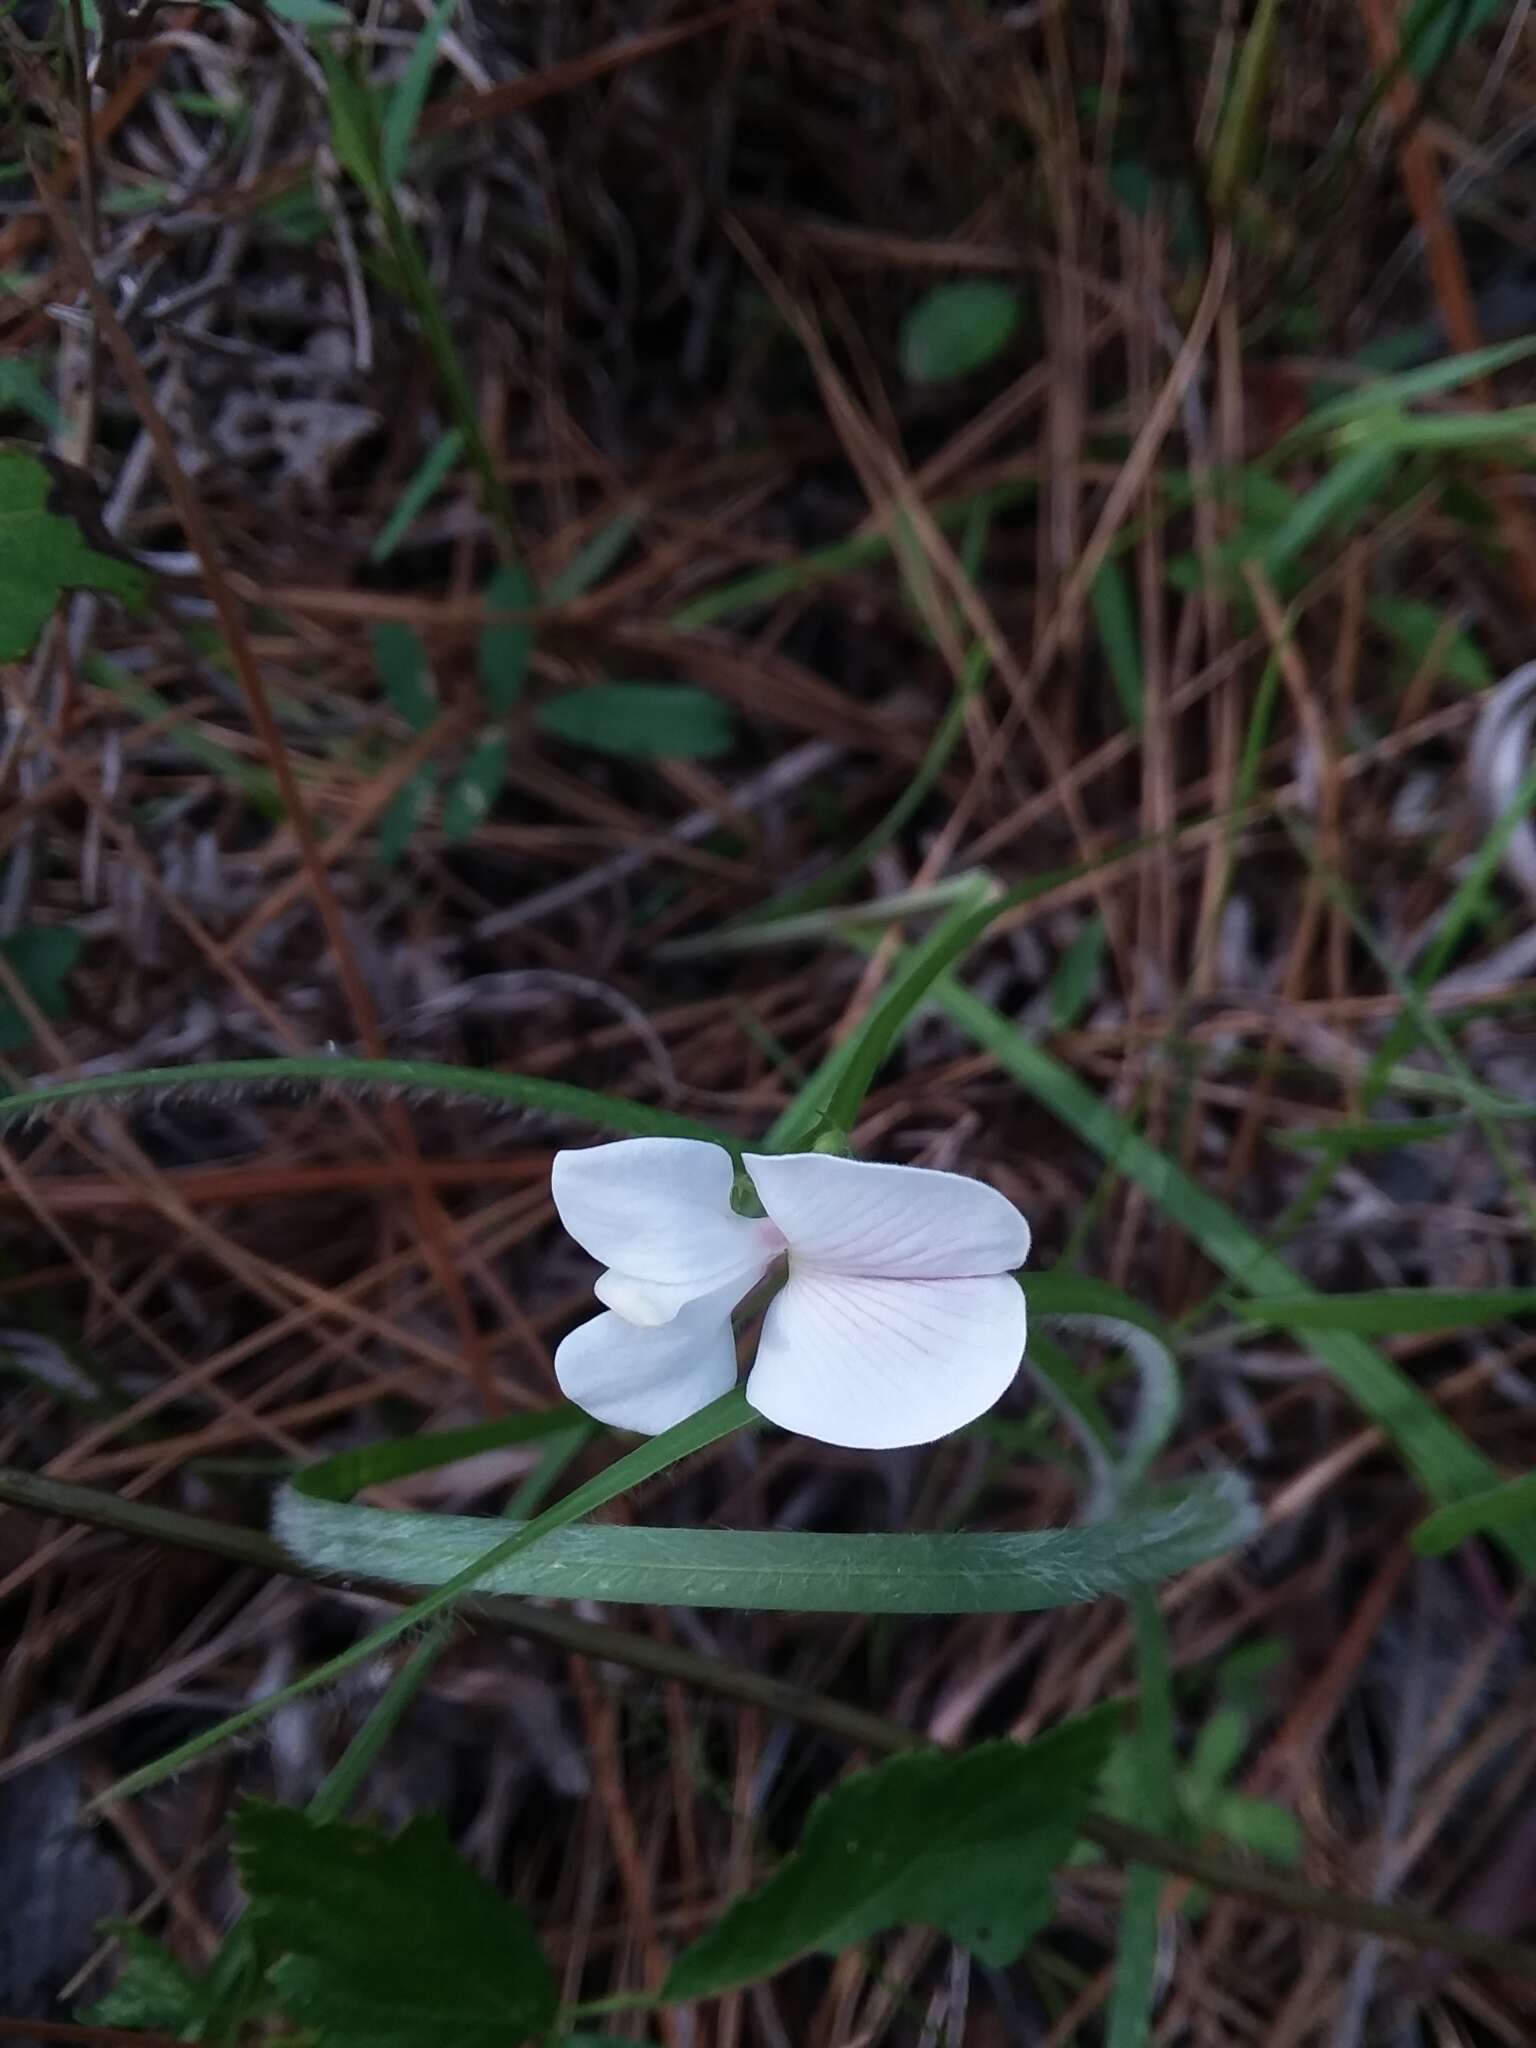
(646, 1380)
(910, 1222)
(658, 1211)
(875, 1363)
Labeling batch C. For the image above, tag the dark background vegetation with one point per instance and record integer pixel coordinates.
(678, 257)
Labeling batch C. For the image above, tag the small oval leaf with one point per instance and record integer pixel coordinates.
(957, 328)
(642, 721)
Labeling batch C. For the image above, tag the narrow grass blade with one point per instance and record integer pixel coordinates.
(1510, 1506)
(418, 494)
(410, 95)
(226, 1079)
(1448, 1466)
(720, 1419)
(1391, 1311)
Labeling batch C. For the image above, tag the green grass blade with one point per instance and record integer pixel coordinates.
(1427, 381)
(1510, 1506)
(720, 1419)
(1392, 1311)
(225, 1078)
(418, 493)
(410, 95)
(1447, 1465)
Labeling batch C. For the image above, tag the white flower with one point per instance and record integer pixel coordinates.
(899, 1319)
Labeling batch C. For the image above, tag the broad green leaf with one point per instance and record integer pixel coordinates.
(40, 956)
(389, 1942)
(474, 790)
(23, 390)
(401, 661)
(784, 1570)
(154, 1992)
(1391, 1311)
(967, 1844)
(957, 328)
(397, 827)
(1509, 1506)
(43, 552)
(646, 721)
(505, 651)
(1417, 628)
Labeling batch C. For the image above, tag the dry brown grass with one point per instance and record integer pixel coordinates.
(675, 250)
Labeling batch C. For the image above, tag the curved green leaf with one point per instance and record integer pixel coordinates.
(1014, 1573)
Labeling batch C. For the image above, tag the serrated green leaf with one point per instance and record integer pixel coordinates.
(40, 956)
(476, 787)
(957, 328)
(505, 651)
(967, 1844)
(389, 1942)
(153, 1993)
(643, 721)
(397, 828)
(401, 661)
(43, 553)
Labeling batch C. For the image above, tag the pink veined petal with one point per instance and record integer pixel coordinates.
(857, 1216)
(658, 1211)
(646, 1380)
(872, 1364)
